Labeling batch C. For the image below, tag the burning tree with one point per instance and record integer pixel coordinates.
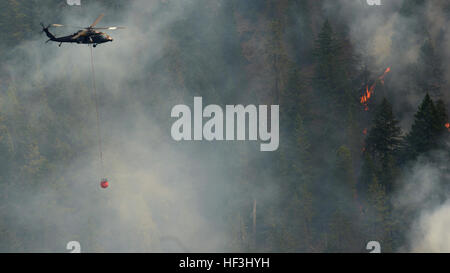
(370, 91)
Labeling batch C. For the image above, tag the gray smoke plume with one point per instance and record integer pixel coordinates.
(387, 36)
(161, 196)
(424, 194)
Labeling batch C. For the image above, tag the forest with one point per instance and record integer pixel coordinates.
(363, 95)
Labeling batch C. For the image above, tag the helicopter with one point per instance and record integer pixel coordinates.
(87, 35)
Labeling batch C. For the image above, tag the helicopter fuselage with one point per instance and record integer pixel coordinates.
(91, 37)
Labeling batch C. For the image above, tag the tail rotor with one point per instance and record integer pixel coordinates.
(44, 28)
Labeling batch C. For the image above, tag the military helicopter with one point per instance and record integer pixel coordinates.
(88, 35)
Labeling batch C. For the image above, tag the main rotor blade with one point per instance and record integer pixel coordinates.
(59, 25)
(97, 20)
(109, 28)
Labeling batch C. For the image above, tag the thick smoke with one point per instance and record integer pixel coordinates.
(163, 196)
(167, 196)
(424, 195)
(387, 36)
(431, 231)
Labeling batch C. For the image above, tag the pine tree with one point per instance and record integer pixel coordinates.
(384, 138)
(332, 98)
(328, 53)
(426, 129)
(383, 144)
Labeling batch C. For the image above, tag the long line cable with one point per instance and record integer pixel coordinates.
(94, 94)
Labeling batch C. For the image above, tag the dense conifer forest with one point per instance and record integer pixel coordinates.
(363, 93)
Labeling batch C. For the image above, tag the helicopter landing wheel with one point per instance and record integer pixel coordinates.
(94, 45)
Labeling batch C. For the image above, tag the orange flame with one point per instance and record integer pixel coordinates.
(369, 92)
(385, 72)
(447, 125)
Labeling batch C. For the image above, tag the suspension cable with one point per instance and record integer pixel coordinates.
(94, 94)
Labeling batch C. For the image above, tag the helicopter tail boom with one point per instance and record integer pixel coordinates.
(47, 32)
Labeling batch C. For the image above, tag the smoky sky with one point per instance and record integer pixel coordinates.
(163, 196)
